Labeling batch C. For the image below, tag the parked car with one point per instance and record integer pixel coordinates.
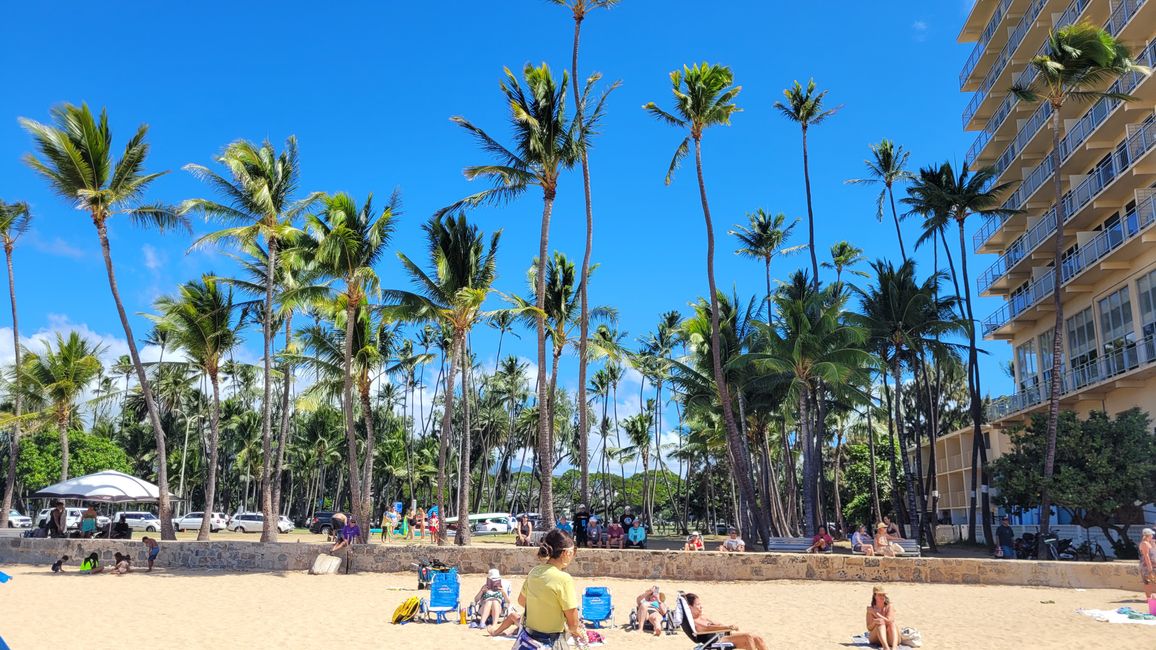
(73, 518)
(17, 520)
(322, 523)
(493, 524)
(140, 520)
(192, 521)
(253, 522)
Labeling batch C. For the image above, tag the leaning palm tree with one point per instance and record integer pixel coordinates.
(763, 239)
(1079, 61)
(887, 167)
(258, 204)
(203, 322)
(844, 255)
(463, 269)
(348, 241)
(75, 157)
(805, 107)
(704, 96)
(546, 143)
(578, 9)
(14, 221)
(54, 380)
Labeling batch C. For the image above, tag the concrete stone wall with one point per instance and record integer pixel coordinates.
(664, 565)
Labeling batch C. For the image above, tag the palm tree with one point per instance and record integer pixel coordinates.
(887, 167)
(463, 269)
(704, 97)
(805, 108)
(546, 145)
(258, 204)
(55, 379)
(764, 238)
(347, 242)
(578, 9)
(843, 256)
(1080, 59)
(75, 157)
(202, 321)
(15, 219)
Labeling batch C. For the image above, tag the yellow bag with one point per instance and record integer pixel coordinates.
(407, 611)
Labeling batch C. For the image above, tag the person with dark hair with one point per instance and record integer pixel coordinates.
(548, 596)
(522, 532)
(154, 548)
(581, 521)
(121, 529)
(91, 564)
(58, 565)
(881, 627)
(57, 520)
(706, 627)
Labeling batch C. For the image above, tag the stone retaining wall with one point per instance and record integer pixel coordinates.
(645, 565)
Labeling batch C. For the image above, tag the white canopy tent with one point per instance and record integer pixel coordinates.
(104, 487)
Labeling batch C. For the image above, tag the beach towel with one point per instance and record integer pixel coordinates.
(1122, 615)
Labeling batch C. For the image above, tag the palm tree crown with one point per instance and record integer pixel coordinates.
(1078, 59)
(703, 97)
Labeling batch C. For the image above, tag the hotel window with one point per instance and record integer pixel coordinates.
(1116, 328)
(1146, 287)
(1026, 366)
(1046, 342)
(1082, 348)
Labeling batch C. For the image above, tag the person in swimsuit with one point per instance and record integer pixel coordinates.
(882, 629)
(706, 627)
(419, 522)
(121, 565)
(1148, 561)
(154, 550)
(433, 523)
(490, 599)
(650, 609)
(410, 523)
(694, 542)
(883, 541)
(893, 531)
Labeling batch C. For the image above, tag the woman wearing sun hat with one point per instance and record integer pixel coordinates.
(1148, 561)
(882, 541)
(490, 599)
(881, 626)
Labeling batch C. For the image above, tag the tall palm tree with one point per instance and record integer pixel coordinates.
(257, 205)
(805, 108)
(704, 97)
(55, 379)
(764, 238)
(15, 218)
(1079, 61)
(578, 9)
(887, 166)
(463, 269)
(546, 143)
(75, 157)
(203, 322)
(844, 255)
(348, 240)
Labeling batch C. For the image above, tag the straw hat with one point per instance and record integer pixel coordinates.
(879, 589)
(880, 525)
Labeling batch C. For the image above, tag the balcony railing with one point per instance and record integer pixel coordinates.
(1019, 250)
(984, 39)
(1125, 357)
(1013, 43)
(1134, 222)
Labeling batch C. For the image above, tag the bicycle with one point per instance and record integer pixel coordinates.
(1091, 552)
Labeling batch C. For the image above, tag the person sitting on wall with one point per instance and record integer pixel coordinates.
(636, 536)
(615, 536)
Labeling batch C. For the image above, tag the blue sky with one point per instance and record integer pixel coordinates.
(368, 89)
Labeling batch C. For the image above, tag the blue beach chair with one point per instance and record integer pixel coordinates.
(444, 597)
(597, 607)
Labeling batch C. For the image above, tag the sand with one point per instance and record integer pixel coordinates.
(170, 609)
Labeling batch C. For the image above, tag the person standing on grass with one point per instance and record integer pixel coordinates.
(154, 550)
(581, 522)
(549, 598)
(1007, 539)
(1148, 561)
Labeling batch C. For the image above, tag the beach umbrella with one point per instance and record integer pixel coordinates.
(105, 487)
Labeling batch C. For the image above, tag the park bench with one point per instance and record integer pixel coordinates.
(12, 532)
(910, 547)
(790, 545)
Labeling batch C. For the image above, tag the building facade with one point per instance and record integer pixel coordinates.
(1107, 275)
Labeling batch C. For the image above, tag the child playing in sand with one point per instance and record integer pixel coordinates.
(58, 565)
(122, 564)
(154, 550)
(91, 564)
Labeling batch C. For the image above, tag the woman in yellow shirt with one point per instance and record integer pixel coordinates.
(549, 597)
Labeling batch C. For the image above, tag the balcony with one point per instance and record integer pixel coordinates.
(981, 45)
(1132, 232)
(1005, 56)
(1128, 361)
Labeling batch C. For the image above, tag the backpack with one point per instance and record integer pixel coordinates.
(407, 611)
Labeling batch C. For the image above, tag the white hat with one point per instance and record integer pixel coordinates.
(494, 575)
(1149, 532)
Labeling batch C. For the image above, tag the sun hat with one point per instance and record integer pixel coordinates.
(1149, 532)
(494, 574)
(879, 589)
(880, 525)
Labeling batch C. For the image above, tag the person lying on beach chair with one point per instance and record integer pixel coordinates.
(712, 634)
(650, 609)
(492, 599)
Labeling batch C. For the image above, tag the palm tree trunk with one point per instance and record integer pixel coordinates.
(810, 511)
(1057, 341)
(871, 452)
(17, 398)
(184, 458)
(347, 408)
(283, 435)
(835, 488)
(912, 509)
(545, 440)
(214, 440)
(463, 535)
(367, 473)
(62, 425)
(164, 507)
(895, 218)
(736, 446)
(444, 439)
(979, 452)
(269, 525)
(810, 214)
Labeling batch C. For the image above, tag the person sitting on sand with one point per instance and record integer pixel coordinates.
(821, 542)
(883, 541)
(523, 530)
(595, 532)
(694, 542)
(861, 542)
(881, 626)
(154, 550)
(91, 564)
(615, 536)
(549, 598)
(58, 565)
(121, 564)
(705, 627)
(636, 536)
(893, 531)
(350, 534)
(733, 543)
(490, 598)
(650, 608)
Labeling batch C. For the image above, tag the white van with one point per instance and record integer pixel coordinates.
(485, 523)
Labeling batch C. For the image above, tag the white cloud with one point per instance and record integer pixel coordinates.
(54, 246)
(919, 31)
(153, 259)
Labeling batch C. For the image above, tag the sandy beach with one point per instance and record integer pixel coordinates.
(169, 609)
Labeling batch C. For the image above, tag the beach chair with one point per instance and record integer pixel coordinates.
(444, 597)
(668, 625)
(597, 607)
(474, 611)
(681, 617)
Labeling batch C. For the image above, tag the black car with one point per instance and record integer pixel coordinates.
(322, 522)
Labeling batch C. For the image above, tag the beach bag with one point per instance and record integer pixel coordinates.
(910, 637)
(406, 612)
(527, 642)
(325, 564)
